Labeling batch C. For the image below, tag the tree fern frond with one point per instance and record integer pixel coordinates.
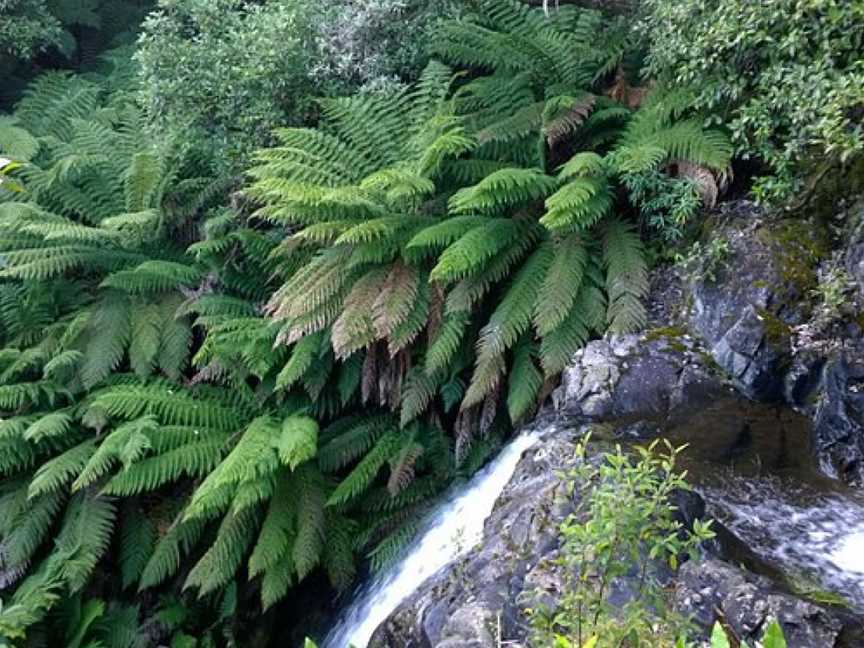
(524, 382)
(561, 284)
(627, 277)
(222, 560)
(366, 470)
(503, 189)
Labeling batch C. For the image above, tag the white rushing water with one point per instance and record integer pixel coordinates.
(817, 536)
(450, 531)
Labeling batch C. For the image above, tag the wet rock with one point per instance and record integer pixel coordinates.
(636, 376)
(755, 317)
(710, 589)
(838, 417)
(744, 308)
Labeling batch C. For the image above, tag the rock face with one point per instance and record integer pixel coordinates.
(748, 602)
(755, 314)
(744, 296)
(641, 376)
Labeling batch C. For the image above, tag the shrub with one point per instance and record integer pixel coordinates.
(785, 76)
(373, 43)
(225, 72)
(27, 27)
(624, 525)
(228, 72)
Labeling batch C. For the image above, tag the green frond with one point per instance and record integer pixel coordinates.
(468, 255)
(169, 404)
(137, 541)
(298, 440)
(56, 474)
(276, 582)
(222, 560)
(627, 277)
(153, 277)
(503, 189)
(24, 525)
(443, 233)
(142, 181)
(107, 337)
(349, 439)
(252, 458)
(309, 542)
(278, 530)
(447, 342)
(561, 284)
(126, 445)
(303, 354)
(560, 344)
(170, 549)
(16, 142)
(513, 315)
(524, 381)
(579, 204)
(52, 426)
(363, 474)
(194, 459)
(339, 550)
(84, 537)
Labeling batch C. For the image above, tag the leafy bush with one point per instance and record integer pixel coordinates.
(27, 27)
(228, 72)
(225, 72)
(784, 76)
(373, 43)
(624, 525)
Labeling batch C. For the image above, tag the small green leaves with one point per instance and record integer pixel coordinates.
(718, 637)
(773, 637)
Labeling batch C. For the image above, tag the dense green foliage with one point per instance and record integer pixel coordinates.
(28, 28)
(69, 34)
(227, 387)
(223, 74)
(785, 76)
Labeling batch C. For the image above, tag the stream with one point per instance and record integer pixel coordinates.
(752, 465)
(750, 462)
(452, 528)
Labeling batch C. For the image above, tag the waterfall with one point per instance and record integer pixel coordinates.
(449, 532)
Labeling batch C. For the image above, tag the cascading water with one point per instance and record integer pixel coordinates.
(816, 537)
(752, 465)
(449, 532)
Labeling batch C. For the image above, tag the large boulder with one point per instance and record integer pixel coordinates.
(636, 376)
